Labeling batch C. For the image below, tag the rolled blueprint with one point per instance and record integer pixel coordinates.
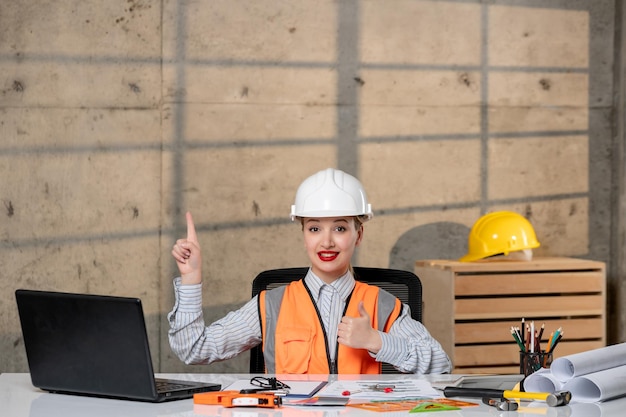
(570, 366)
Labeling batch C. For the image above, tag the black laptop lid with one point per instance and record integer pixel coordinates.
(90, 344)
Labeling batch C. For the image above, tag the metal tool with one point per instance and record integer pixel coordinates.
(383, 387)
(552, 399)
(501, 404)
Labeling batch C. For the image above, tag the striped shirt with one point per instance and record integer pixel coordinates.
(408, 346)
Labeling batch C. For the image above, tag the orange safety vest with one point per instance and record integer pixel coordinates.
(294, 340)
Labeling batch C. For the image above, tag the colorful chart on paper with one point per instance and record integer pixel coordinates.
(409, 404)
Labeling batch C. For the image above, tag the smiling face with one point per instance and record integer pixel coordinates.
(330, 243)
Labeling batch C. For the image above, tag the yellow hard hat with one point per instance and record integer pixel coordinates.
(497, 233)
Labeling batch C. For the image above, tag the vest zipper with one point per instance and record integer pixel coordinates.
(345, 308)
(333, 367)
(331, 364)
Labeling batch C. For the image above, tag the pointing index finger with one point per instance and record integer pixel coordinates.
(191, 229)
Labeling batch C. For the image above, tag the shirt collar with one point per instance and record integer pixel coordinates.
(342, 285)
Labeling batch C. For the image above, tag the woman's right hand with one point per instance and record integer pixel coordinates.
(187, 254)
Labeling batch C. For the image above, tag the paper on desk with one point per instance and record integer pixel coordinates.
(403, 388)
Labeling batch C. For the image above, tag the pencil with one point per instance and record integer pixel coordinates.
(517, 340)
(550, 342)
(556, 342)
(557, 333)
(543, 325)
(519, 335)
(537, 343)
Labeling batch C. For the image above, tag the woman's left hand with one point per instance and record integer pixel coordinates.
(356, 332)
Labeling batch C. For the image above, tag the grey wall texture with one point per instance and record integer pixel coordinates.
(118, 116)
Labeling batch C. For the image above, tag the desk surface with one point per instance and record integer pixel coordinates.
(18, 398)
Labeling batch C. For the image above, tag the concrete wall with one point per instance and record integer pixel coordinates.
(118, 116)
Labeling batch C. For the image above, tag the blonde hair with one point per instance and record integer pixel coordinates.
(358, 221)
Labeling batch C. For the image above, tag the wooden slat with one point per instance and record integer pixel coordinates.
(537, 264)
(491, 332)
(471, 306)
(509, 354)
(516, 307)
(529, 283)
(497, 370)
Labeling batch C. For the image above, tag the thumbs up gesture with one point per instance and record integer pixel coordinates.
(186, 252)
(357, 332)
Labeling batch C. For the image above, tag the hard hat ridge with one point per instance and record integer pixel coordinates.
(331, 193)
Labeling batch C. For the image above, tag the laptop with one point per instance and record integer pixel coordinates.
(93, 345)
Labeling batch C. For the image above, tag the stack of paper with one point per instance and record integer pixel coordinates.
(595, 375)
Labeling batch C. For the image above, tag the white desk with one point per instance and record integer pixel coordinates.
(18, 398)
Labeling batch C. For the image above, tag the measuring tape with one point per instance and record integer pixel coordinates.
(237, 399)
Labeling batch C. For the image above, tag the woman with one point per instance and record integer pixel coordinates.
(324, 323)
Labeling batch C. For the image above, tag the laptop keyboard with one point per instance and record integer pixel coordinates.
(165, 386)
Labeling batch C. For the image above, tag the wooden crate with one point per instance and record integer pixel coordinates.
(469, 307)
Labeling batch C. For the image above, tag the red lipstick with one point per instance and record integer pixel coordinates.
(327, 256)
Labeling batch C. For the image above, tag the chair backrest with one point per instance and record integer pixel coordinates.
(403, 284)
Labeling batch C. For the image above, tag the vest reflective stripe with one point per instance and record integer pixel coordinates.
(269, 307)
(298, 344)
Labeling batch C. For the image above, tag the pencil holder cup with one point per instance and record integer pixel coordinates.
(530, 362)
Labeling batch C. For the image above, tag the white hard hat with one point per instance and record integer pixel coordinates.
(331, 193)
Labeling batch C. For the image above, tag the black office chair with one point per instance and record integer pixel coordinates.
(403, 284)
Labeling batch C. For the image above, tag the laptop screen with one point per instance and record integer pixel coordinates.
(88, 344)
